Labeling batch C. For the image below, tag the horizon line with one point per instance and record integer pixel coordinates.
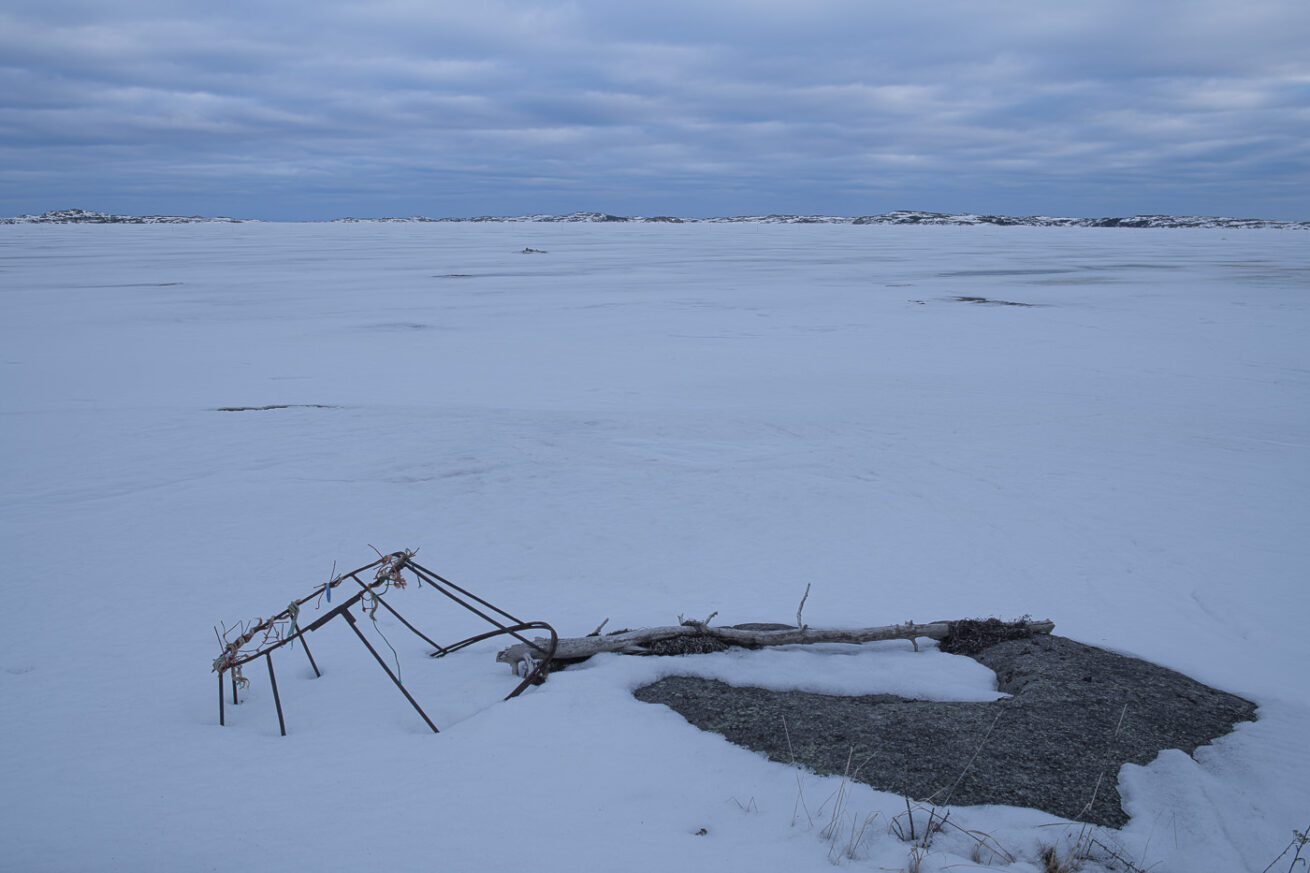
(898, 216)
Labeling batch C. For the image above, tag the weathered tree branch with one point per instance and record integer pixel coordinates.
(638, 642)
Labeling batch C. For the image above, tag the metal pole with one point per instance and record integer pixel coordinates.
(440, 648)
(412, 702)
(276, 700)
(423, 571)
(221, 722)
(311, 657)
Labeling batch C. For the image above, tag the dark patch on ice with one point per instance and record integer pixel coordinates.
(505, 274)
(715, 336)
(1074, 280)
(402, 325)
(955, 274)
(274, 406)
(415, 478)
(531, 251)
(136, 285)
(1139, 267)
(1077, 714)
(993, 302)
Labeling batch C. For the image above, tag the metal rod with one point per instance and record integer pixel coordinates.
(422, 571)
(425, 573)
(277, 701)
(327, 616)
(221, 722)
(412, 702)
(318, 623)
(310, 656)
(537, 676)
(415, 630)
(391, 609)
(514, 632)
(533, 677)
(479, 613)
(234, 688)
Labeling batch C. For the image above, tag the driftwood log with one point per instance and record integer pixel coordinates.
(691, 636)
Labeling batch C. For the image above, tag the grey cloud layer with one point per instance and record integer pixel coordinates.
(513, 106)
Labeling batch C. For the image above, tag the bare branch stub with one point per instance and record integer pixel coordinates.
(799, 609)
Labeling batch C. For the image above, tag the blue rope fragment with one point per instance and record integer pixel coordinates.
(294, 612)
(394, 654)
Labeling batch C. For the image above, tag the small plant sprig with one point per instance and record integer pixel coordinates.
(985, 849)
(840, 845)
(1091, 844)
(1299, 841)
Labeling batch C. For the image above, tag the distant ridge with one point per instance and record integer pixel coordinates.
(83, 216)
(899, 217)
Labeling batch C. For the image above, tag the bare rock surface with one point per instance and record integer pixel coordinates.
(1077, 714)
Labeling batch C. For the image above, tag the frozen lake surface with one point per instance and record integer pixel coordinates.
(637, 422)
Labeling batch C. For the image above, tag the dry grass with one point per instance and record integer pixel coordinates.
(1299, 840)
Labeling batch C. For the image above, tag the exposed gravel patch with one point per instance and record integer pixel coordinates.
(1077, 714)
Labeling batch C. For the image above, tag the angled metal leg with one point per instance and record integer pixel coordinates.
(412, 702)
(389, 608)
(277, 701)
(311, 657)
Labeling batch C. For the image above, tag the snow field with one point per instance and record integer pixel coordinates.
(645, 421)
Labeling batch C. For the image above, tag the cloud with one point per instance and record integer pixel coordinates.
(694, 107)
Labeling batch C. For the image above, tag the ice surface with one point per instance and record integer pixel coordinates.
(645, 421)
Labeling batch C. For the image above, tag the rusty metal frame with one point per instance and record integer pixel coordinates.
(266, 636)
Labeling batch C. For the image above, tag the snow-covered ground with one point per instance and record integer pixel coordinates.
(646, 420)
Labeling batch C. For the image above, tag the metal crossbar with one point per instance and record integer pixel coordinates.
(264, 637)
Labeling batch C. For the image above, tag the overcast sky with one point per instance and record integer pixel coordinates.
(311, 109)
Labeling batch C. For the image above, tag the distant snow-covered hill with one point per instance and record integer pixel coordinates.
(900, 216)
(83, 216)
